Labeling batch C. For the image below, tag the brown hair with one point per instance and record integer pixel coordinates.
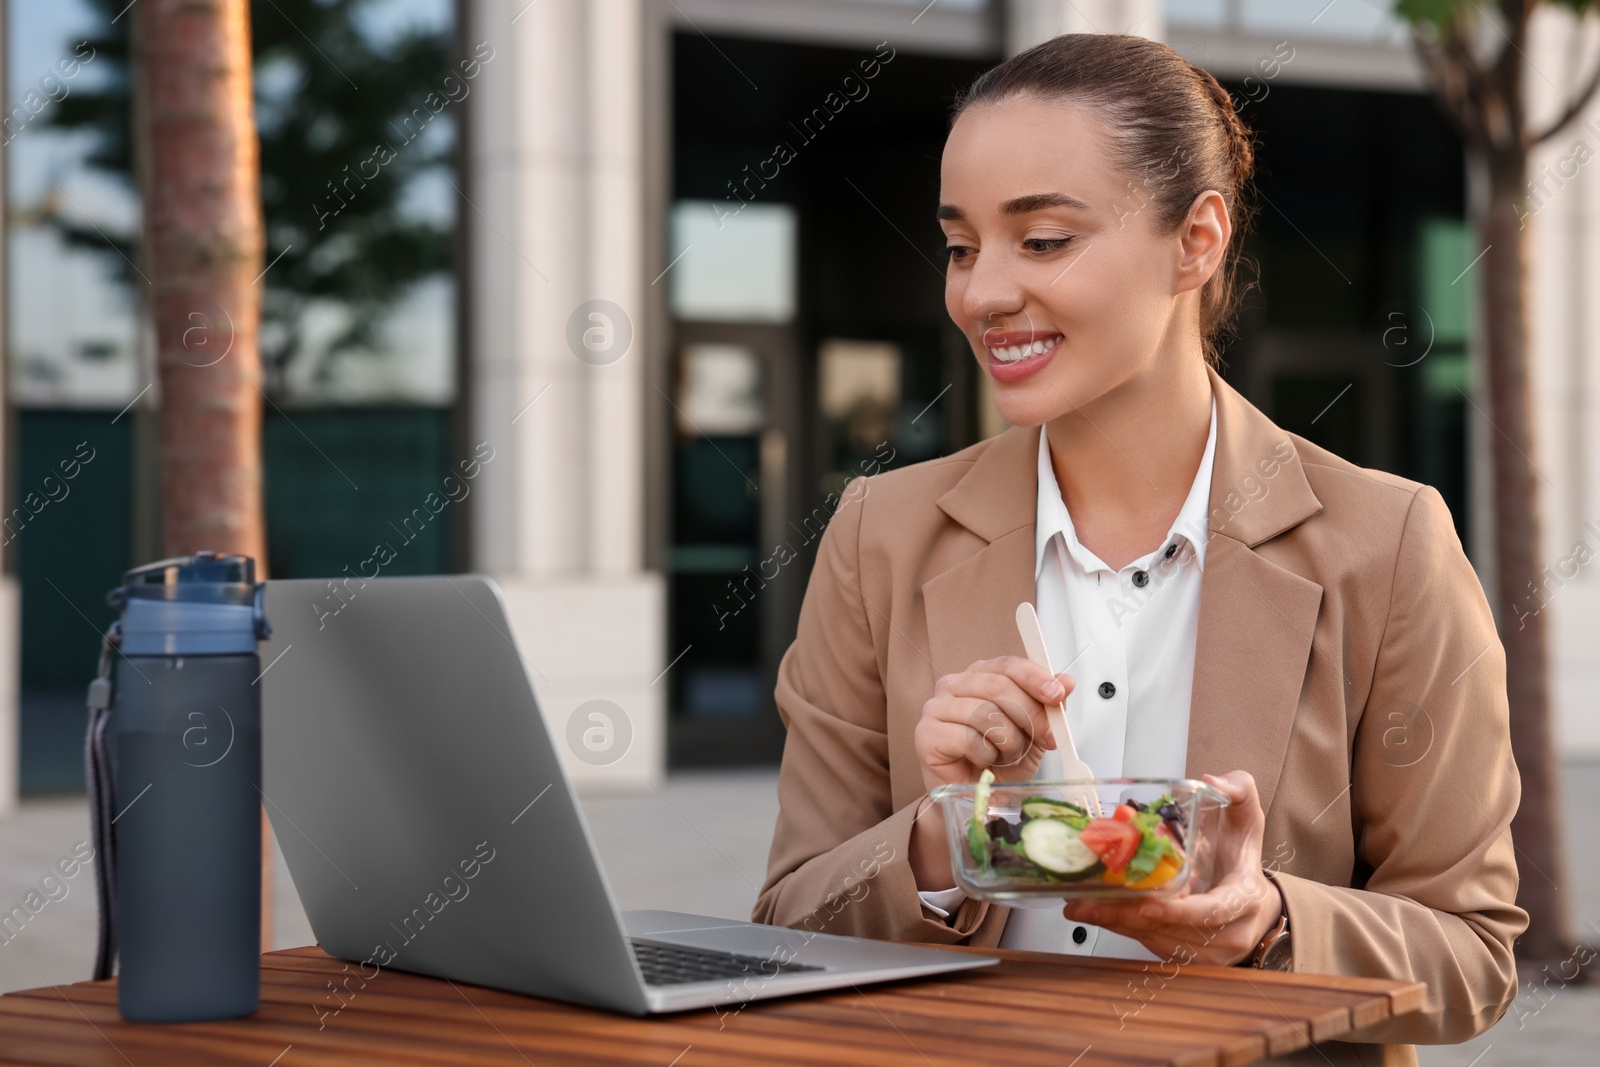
(1167, 119)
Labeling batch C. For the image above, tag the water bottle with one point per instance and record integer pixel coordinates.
(181, 886)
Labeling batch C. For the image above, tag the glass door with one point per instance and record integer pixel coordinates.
(734, 580)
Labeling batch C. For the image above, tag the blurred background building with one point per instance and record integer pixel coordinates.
(672, 265)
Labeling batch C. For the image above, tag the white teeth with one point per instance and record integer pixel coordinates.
(1012, 353)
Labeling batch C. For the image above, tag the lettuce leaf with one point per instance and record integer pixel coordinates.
(1144, 861)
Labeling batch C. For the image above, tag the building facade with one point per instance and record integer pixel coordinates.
(697, 291)
(625, 132)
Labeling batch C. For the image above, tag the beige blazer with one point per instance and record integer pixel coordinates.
(1346, 658)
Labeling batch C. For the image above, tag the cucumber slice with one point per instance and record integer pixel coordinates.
(1049, 807)
(1054, 845)
(980, 797)
(977, 827)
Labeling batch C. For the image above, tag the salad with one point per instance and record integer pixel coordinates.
(1139, 846)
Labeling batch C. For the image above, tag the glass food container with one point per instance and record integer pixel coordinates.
(1038, 843)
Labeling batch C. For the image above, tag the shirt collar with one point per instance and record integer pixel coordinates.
(1052, 517)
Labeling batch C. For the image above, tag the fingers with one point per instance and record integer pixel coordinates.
(1232, 899)
(994, 705)
(1176, 951)
(990, 715)
(1028, 675)
(957, 730)
(1129, 919)
(948, 731)
(1120, 916)
(1185, 944)
(1238, 786)
(1011, 729)
(1243, 820)
(1212, 927)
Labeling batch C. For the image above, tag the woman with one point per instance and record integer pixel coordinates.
(1226, 596)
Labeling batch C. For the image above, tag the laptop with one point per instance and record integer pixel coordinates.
(417, 794)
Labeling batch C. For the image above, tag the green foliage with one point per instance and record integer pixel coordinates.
(322, 110)
(1440, 12)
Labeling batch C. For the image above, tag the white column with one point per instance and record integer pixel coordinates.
(10, 691)
(10, 595)
(557, 225)
(616, 251)
(1564, 319)
(1029, 22)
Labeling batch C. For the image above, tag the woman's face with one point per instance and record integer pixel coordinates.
(1054, 256)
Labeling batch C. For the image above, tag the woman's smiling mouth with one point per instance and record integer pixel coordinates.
(1015, 356)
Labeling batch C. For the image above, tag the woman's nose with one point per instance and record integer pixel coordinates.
(991, 293)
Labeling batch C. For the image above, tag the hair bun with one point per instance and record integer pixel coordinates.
(1241, 147)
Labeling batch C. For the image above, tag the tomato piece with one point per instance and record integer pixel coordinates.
(1124, 813)
(1115, 842)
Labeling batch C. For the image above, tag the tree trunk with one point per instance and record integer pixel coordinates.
(200, 187)
(1520, 590)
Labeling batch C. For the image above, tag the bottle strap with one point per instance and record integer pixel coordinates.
(102, 803)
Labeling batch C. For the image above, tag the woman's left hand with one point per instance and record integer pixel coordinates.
(1221, 926)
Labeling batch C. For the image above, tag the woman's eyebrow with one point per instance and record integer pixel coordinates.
(1021, 205)
(1038, 201)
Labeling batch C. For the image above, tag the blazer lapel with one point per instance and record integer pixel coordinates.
(1256, 624)
(971, 606)
(1257, 619)
(968, 614)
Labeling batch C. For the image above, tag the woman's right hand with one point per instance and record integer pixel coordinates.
(990, 716)
(986, 717)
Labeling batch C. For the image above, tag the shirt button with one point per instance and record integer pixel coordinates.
(1141, 579)
(1079, 935)
(1108, 690)
(1172, 550)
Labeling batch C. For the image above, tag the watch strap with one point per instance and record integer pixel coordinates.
(1278, 932)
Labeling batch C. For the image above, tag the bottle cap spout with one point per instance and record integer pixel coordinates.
(208, 603)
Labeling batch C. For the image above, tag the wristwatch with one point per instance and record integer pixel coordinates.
(1275, 952)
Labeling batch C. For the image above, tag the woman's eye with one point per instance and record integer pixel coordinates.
(958, 252)
(1046, 244)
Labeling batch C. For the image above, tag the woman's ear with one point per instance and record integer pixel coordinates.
(1203, 240)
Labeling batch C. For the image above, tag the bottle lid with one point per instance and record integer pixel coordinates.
(204, 604)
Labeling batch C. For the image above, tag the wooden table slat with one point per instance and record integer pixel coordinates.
(1033, 1008)
(1025, 1036)
(1294, 1006)
(1195, 989)
(1403, 996)
(605, 1039)
(536, 1024)
(701, 1025)
(1281, 1034)
(343, 1044)
(1371, 999)
(1246, 1039)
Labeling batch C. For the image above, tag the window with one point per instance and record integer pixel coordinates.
(1368, 20)
(732, 266)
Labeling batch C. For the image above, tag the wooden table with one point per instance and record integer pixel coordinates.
(1029, 1009)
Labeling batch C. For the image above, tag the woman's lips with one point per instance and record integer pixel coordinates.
(1023, 356)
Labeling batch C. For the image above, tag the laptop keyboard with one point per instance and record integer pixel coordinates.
(676, 964)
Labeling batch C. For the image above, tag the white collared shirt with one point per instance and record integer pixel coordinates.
(1127, 638)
